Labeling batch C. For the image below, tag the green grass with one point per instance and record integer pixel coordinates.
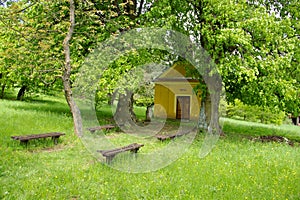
(235, 127)
(237, 168)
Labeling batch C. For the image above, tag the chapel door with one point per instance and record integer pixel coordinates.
(183, 107)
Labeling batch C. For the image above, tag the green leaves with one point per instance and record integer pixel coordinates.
(132, 72)
(254, 43)
(256, 48)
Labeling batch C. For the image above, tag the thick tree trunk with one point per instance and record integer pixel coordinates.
(203, 123)
(214, 125)
(67, 73)
(124, 113)
(149, 113)
(112, 97)
(21, 93)
(206, 110)
(214, 85)
(209, 112)
(131, 111)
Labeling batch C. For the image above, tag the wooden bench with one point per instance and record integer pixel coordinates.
(165, 137)
(171, 136)
(103, 127)
(26, 138)
(110, 154)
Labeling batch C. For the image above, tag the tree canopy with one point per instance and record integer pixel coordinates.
(254, 43)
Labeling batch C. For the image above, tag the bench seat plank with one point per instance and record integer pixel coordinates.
(36, 136)
(106, 127)
(26, 138)
(109, 154)
(165, 137)
(171, 136)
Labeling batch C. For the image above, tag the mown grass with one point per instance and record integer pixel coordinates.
(237, 168)
(237, 127)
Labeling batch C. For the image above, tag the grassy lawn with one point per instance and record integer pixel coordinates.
(237, 168)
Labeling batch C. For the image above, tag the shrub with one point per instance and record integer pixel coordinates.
(143, 101)
(238, 110)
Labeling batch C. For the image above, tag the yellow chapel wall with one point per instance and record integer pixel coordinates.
(165, 99)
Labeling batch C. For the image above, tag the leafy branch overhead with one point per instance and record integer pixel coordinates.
(254, 44)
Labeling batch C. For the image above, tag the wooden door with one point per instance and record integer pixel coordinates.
(183, 107)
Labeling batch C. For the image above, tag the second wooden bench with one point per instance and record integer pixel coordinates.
(26, 138)
(172, 136)
(110, 154)
(102, 127)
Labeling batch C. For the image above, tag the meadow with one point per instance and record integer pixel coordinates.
(237, 168)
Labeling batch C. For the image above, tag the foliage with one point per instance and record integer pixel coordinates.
(134, 71)
(238, 110)
(30, 57)
(143, 101)
(255, 51)
(32, 33)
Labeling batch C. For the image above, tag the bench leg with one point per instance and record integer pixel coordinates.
(109, 159)
(24, 142)
(134, 153)
(134, 150)
(55, 139)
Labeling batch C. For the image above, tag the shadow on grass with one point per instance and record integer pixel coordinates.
(47, 107)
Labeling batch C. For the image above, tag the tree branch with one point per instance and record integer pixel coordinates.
(52, 82)
(23, 9)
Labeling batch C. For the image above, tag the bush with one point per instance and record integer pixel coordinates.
(143, 101)
(238, 110)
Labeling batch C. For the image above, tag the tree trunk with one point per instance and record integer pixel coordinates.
(131, 111)
(112, 97)
(295, 120)
(67, 73)
(214, 85)
(202, 123)
(214, 126)
(209, 112)
(2, 91)
(124, 113)
(149, 113)
(21, 93)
